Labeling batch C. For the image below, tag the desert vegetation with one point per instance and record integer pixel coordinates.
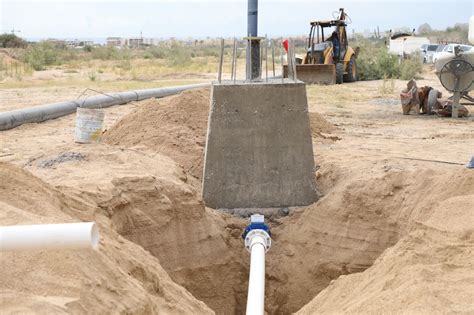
(20, 59)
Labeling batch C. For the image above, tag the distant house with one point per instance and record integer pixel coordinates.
(116, 41)
(79, 43)
(135, 42)
(151, 41)
(86, 43)
(405, 44)
(56, 42)
(72, 43)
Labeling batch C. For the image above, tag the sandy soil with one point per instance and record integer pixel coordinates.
(176, 126)
(390, 234)
(120, 277)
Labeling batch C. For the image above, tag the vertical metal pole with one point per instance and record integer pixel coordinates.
(221, 61)
(289, 60)
(233, 62)
(247, 62)
(250, 76)
(455, 109)
(252, 18)
(293, 59)
(456, 99)
(236, 58)
(266, 60)
(281, 57)
(273, 57)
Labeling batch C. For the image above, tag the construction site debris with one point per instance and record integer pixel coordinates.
(426, 100)
(89, 125)
(471, 163)
(65, 157)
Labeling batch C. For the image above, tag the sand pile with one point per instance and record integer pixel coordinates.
(148, 200)
(6, 58)
(175, 126)
(199, 249)
(120, 276)
(428, 271)
(354, 223)
(319, 125)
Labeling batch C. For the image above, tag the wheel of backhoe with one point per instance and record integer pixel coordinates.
(351, 75)
(339, 72)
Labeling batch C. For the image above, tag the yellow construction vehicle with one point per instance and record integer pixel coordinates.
(330, 59)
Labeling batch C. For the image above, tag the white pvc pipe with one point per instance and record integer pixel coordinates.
(256, 291)
(49, 236)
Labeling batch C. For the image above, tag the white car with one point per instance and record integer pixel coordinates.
(449, 49)
(427, 52)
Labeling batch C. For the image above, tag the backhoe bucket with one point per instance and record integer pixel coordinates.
(314, 74)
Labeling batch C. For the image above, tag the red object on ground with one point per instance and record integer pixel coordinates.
(285, 45)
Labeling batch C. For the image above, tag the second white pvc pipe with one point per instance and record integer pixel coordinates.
(256, 291)
(49, 236)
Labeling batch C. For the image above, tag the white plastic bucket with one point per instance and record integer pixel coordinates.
(89, 124)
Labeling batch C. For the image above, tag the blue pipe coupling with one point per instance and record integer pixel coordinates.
(257, 228)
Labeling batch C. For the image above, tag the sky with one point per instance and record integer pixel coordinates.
(216, 18)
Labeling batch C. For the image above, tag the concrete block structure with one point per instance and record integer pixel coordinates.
(259, 150)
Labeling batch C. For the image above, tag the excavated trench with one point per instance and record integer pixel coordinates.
(358, 217)
(201, 249)
(144, 183)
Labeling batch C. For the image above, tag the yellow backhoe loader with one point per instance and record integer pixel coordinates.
(328, 59)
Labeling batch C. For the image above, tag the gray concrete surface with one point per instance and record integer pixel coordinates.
(259, 150)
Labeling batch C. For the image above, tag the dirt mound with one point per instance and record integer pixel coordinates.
(427, 271)
(175, 126)
(120, 275)
(197, 247)
(320, 127)
(6, 58)
(351, 226)
(151, 203)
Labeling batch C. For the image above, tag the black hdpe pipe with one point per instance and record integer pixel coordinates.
(15, 118)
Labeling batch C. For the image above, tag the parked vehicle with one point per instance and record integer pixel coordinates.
(427, 51)
(449, 49)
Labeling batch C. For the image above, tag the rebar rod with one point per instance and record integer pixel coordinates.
(281, 57)
(221, 61)
(250, 77)
(235, 66)
(266, 60)
(273, 57)
(293, 59)
(233, 62)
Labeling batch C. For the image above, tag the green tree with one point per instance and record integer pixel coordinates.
(11, 41)
(41, 55)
